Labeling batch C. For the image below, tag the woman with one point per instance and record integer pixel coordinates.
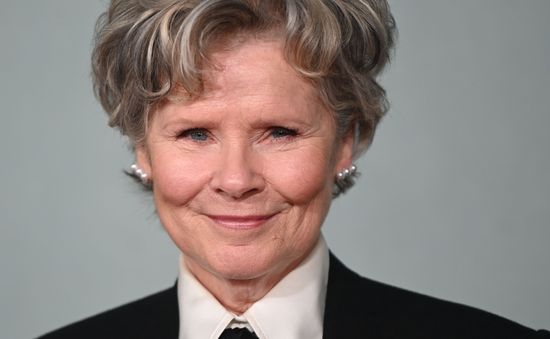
(245, 117)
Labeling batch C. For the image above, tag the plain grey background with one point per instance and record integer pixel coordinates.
(454, 200)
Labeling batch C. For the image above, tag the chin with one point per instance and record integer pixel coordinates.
(247, 264)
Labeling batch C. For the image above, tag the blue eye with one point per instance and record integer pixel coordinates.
(197, 134)
(282, 132)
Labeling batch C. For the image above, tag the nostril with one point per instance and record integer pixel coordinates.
(237, 177)
(236, 194)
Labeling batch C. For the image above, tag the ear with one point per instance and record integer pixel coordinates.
(344, 154)
(143, 159)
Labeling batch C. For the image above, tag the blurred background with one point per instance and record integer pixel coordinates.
(454, 199)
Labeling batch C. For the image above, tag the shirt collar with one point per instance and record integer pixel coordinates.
(292, 309)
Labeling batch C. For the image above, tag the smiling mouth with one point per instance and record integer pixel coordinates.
(240, 222)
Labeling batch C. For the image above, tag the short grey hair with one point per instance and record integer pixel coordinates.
(147, 49)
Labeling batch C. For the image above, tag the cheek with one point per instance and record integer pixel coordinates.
(301, 176)
(178, 178)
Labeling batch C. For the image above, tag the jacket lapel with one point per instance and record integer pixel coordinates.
(346, 315)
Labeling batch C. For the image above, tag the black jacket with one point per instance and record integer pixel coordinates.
(356, 307)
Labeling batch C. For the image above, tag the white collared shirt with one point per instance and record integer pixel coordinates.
(292, 309)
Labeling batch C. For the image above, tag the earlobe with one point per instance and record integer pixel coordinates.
(345, 154)
(143, 160)
(345, 171)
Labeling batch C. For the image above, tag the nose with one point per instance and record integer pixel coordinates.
(238, 173)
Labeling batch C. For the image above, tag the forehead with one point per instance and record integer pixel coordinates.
(253, 67)
(252, 76)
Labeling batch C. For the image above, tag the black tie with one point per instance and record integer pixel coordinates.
(238, 333)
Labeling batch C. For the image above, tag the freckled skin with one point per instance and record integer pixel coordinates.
(257, 142)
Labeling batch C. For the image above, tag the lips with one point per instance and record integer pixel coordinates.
(240, 222)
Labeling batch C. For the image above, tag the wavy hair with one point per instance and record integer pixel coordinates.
(147, 49)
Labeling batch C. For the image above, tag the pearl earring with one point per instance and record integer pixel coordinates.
(140, 174)
(344, 180)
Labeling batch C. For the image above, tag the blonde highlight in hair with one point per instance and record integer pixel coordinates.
(145, 50)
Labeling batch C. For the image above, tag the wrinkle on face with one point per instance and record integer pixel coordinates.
(289, 179)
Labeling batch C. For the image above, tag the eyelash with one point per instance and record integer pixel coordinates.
(190, 133)
(279, 132)
(201, 134)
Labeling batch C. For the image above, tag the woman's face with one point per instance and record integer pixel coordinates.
(243, 175)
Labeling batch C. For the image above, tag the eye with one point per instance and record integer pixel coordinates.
(278, 132)
(196, 134)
